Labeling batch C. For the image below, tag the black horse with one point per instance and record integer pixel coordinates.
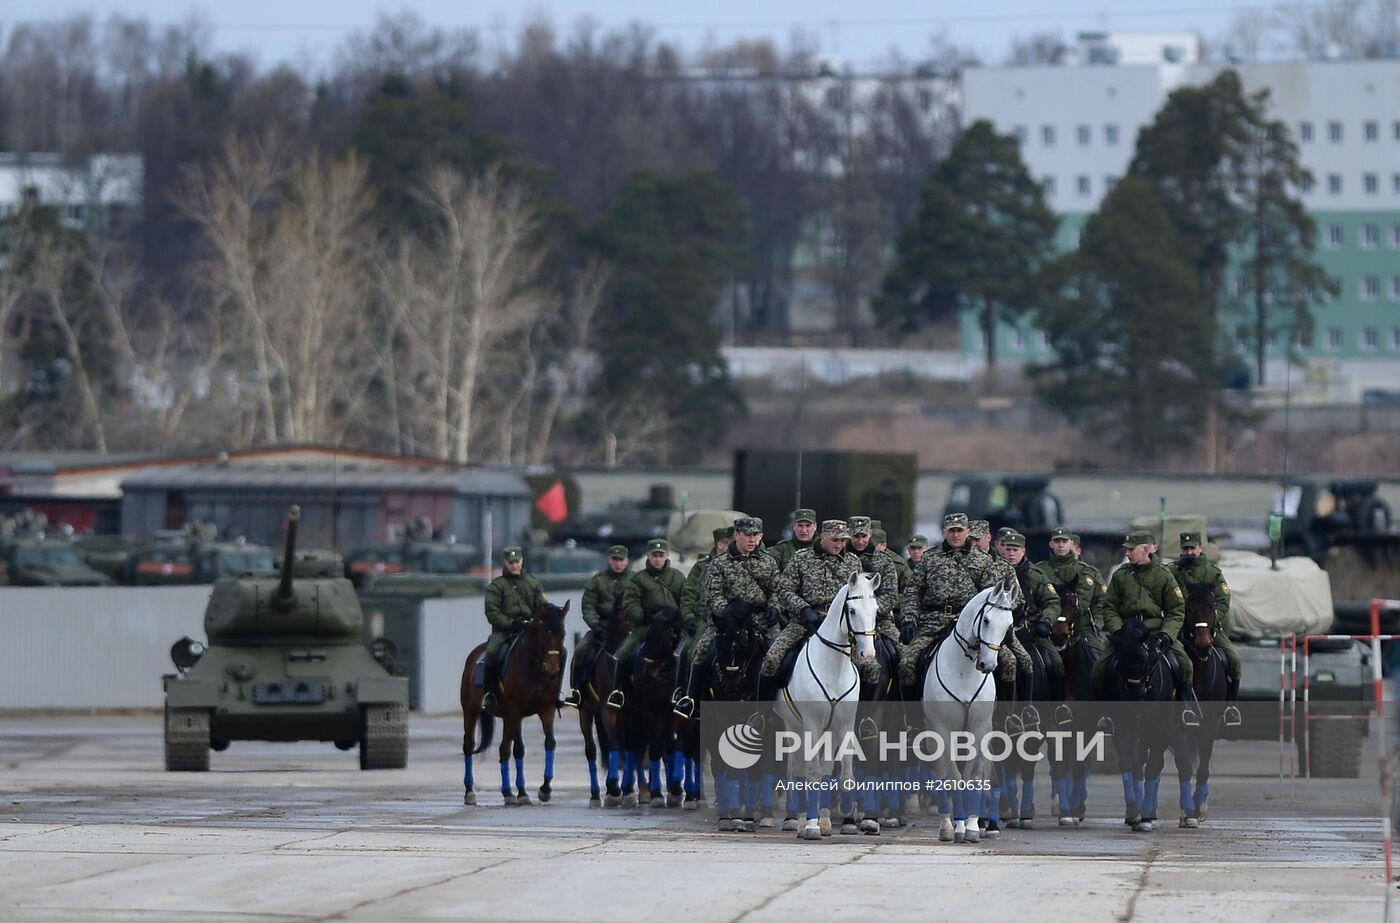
(1144, 718)
(649, 726)
(1070, 777)
(1209, 678)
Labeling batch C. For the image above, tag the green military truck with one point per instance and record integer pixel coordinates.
(835, 484)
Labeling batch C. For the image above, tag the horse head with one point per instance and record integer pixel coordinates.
(984, 622)
(1136, 655)
(858, 611)
(1201, 620)
(660, 642)
(544, 638)
(1062, 630)
(736, 641)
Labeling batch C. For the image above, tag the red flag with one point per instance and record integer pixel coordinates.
(552, 504)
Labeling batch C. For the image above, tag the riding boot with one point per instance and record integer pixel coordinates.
(1025, 684)
(618, 697)
(1232, 711)
(488, 685)
(1005, 706)
(1190, 706)
(576, 682)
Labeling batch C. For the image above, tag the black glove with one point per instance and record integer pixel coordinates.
(811, 618)
(907, 631)
(1042, 629)
(775, 615)
(1163, 641)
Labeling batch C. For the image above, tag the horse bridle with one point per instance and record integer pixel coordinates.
(851, 633)
(969, 649)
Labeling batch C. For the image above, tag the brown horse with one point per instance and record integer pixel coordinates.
(530, 682)
(593, 717)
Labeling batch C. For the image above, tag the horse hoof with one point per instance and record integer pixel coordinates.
(1191, 823)
(1027, 823)
(469, 798)
(824, 825)
(1066, 821)
(522, 799)
(612, 801)
(973, 834)
(849, 828)
(960, 836)
(725, 824)
(545, 795)
(870, 827)
(595, 802)
(993, 829)
(945, 831)
(810, 832)
(746, 826)
(644, 797)
(790, 824)
(673, 801)
(689, 805)
(890, 823)
(1143, 826)
(765, 823)
(629, 801)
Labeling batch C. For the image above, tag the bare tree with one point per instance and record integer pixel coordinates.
(54, 273)
(576, 331)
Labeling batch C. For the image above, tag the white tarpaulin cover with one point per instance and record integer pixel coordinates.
(1269, 603)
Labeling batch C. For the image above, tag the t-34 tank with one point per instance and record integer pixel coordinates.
(285, 661)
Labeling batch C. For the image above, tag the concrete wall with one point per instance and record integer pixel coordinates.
(92, 647)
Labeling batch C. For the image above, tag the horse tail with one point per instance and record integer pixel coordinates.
(488, 731)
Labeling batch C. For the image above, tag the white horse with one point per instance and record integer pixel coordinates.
(823, 692)
(959, 695)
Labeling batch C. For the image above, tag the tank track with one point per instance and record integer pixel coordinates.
(187, 739)
(383, 736)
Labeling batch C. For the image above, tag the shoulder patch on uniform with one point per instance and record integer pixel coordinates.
(1178, 591)
(1224, 587)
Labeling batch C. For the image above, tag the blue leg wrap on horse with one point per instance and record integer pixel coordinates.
(520, 772)
(612, 765)
(689, 781)
(1184, 800)
(1081, 789)
(1062, 793)
(732, 792)
(945, 803)
(505, 777)
(1202, 793)
(1027, 797)
(1150, 789)
(1130, 797)
(655, 778)
(1139, 791)
(629, 770)
(593, 777)
(468, 778)
(549, 765)
(959, 799)
(765, 789)
(994, 804)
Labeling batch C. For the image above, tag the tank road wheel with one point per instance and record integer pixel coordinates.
(186, 739)
(383, 736)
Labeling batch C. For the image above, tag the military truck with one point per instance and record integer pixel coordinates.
(31, 556)
(106, 553)
(285, 660)
(835, 484)
(1319, 515)
(370, 562)
(627, 522)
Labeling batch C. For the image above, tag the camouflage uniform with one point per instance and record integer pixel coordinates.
(752, 578)
(874, 561)
(812, 579)
(944, 581)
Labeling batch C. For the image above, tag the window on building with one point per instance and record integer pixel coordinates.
(1395, 130)
(1371, 236)
(1302, 339)
(1021, 134)
(1049, 184)
(1018, 340)
(1110, 135)
(1047, 135)
(1395, 237)
(1395, 288)
(1305, 132)
(1042, 342)
(1370, 287)
(1371, 183)
(1083, 132)
(1334, 132)
(1370, 339)
(1395, 183)
(1395, 338)
(1372, 131)
(1338, 286)
(1334, 339)
(1334, 236)
(1081, 184)
(1306, 183)
(1334, 183)
(1271, 340)
(1108, 183)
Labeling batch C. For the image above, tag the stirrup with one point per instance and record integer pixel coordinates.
(573, 700)
(685, 707)
(1105, 724)
(488, 701)
(867, 729)
(1030, 717)
(1013, 725)
(1232, 716)
(1063, 715)
(616, 699)
(676, 695)
(1189, 718)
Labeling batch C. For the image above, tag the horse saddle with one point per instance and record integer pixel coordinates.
(502, 658)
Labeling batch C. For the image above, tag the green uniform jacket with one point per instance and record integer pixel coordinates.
(651, 590)
(603, 590)
(1087, 583)
(1147, 591)
(692, 604)
(787, 549)
(902, 571)
(512, 601)
(1202, 571)
(1043, 602)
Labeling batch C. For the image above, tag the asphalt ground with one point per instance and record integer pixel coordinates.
(92, 828)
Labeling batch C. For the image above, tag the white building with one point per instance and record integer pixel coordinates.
(1078, 123)
(83, 190)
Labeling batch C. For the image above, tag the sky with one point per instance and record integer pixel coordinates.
(304, 32)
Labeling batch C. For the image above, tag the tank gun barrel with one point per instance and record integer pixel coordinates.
(284, 588)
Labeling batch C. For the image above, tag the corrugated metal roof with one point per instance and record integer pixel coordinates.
(344, 476)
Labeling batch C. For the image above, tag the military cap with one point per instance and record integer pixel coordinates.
(836, 528)
(876, 524)
(1002, 533)
(804, 515)
(749, 525)
(879, 536)
(1012, 539)
(723, 534)
(513, 553)
(1191, 538)
(859, 525)
(978, 528)
(917, 541)
(1138, 538)
(1074, 537)
(1062, 532)
(657, 544)
(955, 521)
(617, 551)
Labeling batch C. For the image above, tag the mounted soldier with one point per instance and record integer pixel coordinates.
(1037, 611)
(1192, 567)
(602, 596)
(979, 533)
(873, 561)
(804, 535)
(694, 615)
(744, 573)
(807, 587)
(943, 582)
(1146, 590)
(512, 599)
(656, 586)
(1070, 575)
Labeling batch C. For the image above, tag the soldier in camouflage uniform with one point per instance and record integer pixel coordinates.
(804, 535)
(601, 594)
(744, 572)
(807, 587)
(512, 599)
(902, 570)
(979, 533)
(651, 589)
(1144, 589)
(873, 561)
(696, 618)
(943, 583)
(1192, 567)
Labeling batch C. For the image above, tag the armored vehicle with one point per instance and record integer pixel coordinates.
(29, 556)
(285, 661)
(106, 553)
(627, 522)
(367, 563)
(1319, 515)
